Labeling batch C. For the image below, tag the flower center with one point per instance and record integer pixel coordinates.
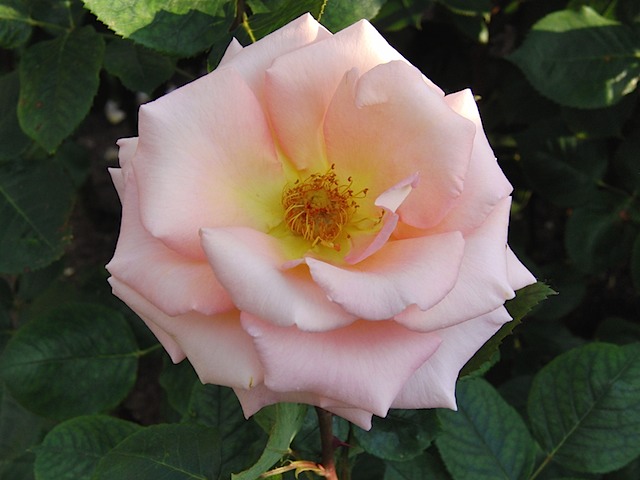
(318, 207)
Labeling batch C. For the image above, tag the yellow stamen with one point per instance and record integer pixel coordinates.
(319, 207)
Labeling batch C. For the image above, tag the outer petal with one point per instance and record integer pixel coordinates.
(417, 271)
(433, 385)
(205, 157)
(250, 266)
(252, 60)
(483, 284)
(389, 124)
(519, 276)
(485, 184)
(217, 347)
(173, 283)
(364, 365)
(300, 85)
(128, 147)
(254, 399)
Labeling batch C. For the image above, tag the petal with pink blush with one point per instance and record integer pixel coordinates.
(417, 271)
(519, 276)
(255, 398)
(433, 385)
(483, 283)
(300, 85)
(173, 283)
(217, 347)
(485, 184)
(251, 266)
(206, 158)
(388, 124)
(364, 364)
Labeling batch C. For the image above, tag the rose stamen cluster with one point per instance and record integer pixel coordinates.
(318, 207)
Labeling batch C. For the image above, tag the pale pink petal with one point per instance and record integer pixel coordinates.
(364, 245)
(485, 184)
(364, 364)
(255, 398)
(232, 50)
(127, 149)
(433, 385)
(217, 347)
(300, 85)
(388, 124)
(205, 157)
(173, 283)
(416, 271)
(483, 284)
(251, 266)
(254, 59)
(519, 276)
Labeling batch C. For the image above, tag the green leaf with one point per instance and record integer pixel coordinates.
(485, 438)
(425, 466)
(34, 221)
(13, 140)
(584, 408)
(19, 431)
(526, 298)
(561, 167)
(242, 441)
(58, 80)
(597, 236)
(262, 24)
(167, 452)
(72, 450)
(398, 14)
(156, 24)
(178, 381)
(77, 359)
(339, 14)
(580, 59)
(287, 420)
(402, 435)
(15, 28)
(139, 68)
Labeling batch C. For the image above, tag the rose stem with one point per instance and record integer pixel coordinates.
(325, 422)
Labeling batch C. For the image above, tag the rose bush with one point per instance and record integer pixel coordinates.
(315, 221)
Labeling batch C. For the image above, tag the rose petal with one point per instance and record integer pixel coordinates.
(483, 284)
(218, 348)
(388, 124)
(433, 385)
(254, 59)
(250, 266)
(205, 157)
(364, 364)
(519, 276)
(173, 283)
(485, 184)
(232, 50)
(299, 87)
(417, 271)
(127, 149)
(254, 399)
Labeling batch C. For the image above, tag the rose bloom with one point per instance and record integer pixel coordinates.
(317, 222)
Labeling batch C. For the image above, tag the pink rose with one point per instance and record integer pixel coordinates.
(315, 221)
